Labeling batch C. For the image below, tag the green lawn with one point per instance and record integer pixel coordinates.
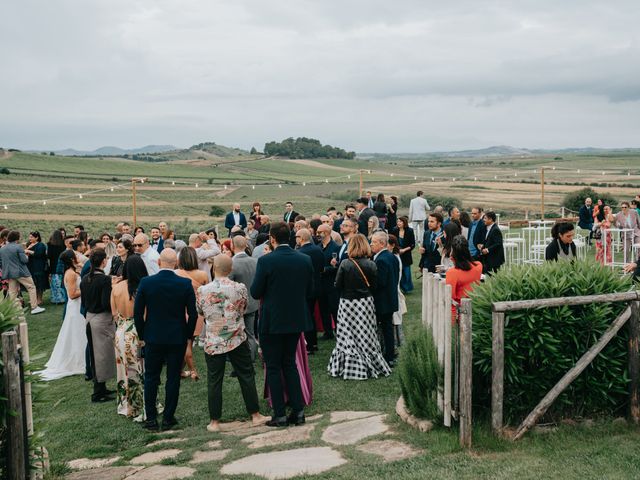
(71, 427)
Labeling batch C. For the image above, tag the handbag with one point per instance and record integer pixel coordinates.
(364, 277)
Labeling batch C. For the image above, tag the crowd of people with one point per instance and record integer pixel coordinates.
(136, 303)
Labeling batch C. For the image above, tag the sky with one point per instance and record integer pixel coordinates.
(364, 75)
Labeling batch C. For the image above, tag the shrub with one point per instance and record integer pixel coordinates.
(575, 200)
(419, 374)
(4, 171)
(216, 211)
(541, 345)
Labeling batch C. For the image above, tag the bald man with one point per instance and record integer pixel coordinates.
(306, 246)
(235, 217)
(165, 317)
(329, 299)
(149, 256)
(244, 271)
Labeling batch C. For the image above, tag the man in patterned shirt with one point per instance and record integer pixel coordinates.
(222, 303)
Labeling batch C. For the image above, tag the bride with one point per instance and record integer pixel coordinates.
(68, 353)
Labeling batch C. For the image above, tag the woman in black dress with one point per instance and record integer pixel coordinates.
(37, 253)
(380, 207)
(406, 244)
(55, 246)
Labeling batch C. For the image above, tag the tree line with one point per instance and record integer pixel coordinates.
(303, 147)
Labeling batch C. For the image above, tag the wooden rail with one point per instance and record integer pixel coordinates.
(631, 314)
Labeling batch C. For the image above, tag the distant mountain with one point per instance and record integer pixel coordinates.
(116, 151)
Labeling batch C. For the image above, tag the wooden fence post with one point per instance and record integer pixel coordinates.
(634, 363)
(13, 391)
(425, 297)
(466, 370)
(24, 347)
(497, 372)
(447, 354)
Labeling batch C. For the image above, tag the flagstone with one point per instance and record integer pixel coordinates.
(163, 472)
(155, 457)
(86, 463)
(242, 428)
(166, 441)
(209, 456)
(389, 450)
(105, 473)
(348, 433)
(286, 463)
(280, 436)
(342, 416)
(214, 444)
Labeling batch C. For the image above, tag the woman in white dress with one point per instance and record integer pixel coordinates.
(67, 357)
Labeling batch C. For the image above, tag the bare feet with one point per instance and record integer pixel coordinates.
(257, 419)
(213, 427)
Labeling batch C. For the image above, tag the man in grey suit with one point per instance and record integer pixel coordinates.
(13, 262)
(243, 271)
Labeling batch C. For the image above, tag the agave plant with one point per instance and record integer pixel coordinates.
(542, 344)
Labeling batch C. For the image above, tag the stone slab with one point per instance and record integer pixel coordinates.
(313, 418)
(155, 457)
(105, 473)
(209, 456)
(280, 436)
(342, 416)
(87, 463)
(348, 433)
(166, 441)
(389, 450)
(242, 428)
(214, 444)
(287, 463)
(163, 472)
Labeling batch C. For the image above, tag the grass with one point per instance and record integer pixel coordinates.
(72, 427)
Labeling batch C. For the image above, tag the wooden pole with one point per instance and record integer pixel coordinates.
(542, 193)
(466, 370)
(133, 192)
(634, 363)
(26, 357)
(447, 355)
(497, 372)
(13, 391)
(561, 301)
(425, 298)
(572, 374)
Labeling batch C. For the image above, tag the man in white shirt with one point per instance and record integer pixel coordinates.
(149, 255)
(204, 250)
(418, 209)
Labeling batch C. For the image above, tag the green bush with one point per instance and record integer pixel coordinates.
(575, 200)
(5, 171)
(216, 211)
(419, 374)
(541, 345)
(10, 313)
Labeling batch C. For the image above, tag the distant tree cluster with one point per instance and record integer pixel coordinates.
(303, 147)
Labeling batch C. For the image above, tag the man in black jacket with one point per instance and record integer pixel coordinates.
(429, 249)
(477, 232)
(365, 214)
(586, 218)
(314, 252)
(385, 295)
(163, 301)
(329, 300)
(491, 249)
(283, 281)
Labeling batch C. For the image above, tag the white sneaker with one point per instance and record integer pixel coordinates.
(37, 310)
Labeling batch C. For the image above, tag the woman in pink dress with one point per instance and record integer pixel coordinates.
(603, 221)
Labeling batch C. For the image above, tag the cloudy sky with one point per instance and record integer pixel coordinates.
(366, 75)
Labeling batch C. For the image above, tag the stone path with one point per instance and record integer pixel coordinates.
(309, 449)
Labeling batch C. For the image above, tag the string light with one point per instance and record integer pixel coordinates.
(197, 186)
(80, 196)
(111, 189)
(142, 180)
(326, 180)
(6, 208)
(304, 184)
(253, 187)
(173, 183)
(349, 177)
(44, 202)
(279, 185)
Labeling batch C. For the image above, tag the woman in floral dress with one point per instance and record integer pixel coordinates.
(127, 344)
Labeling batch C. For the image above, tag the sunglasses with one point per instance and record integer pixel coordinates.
(138, 245)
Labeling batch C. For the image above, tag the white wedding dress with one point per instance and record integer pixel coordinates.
(67, 357)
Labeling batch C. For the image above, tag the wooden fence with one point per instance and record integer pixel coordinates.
(19, 420)
(631, 314)
(453, 344)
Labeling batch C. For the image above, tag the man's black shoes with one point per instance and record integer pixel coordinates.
(296, 419)
(277, 422)
(168, 423)
(151, 425)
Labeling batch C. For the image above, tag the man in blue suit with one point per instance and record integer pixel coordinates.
(163, 302)
(385, 295)
(284, 280)
(235, 217)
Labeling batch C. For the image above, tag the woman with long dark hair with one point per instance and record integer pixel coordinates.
(55, 247)
(37, 253)
(124, 249)
(406, 244)
(392, 211)
(380, 207)
(562, 246)
(96, 298)
(68, 357)
(256, 213)
(450, 231)
(129, 391)
(465, 272)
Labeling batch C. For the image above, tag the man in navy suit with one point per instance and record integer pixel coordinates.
(385, 295)
(491, 249)
(429, 249)
(477, 232)
(314, 252)
(167, 300)
(235, 217)
(284, 280)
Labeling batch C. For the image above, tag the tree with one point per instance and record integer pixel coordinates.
(574, 200)
(253, 151)
(303, 147)
(53, 154)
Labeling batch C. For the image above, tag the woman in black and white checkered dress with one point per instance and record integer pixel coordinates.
(357, 355)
